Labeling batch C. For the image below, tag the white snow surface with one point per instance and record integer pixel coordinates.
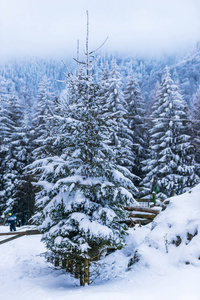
(164, 271)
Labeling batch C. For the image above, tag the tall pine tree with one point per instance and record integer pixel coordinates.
(171, 165)
(196, 125)
(83, 190)
(115, 108)
(137, 123)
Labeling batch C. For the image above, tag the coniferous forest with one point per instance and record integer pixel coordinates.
(78, 142)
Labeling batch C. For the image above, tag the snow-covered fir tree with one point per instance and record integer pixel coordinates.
(12, 168)
(84, 190)
(115, 107)
(43, 120)
(5, 126)
(196, 125)
(24, 200)
(137, 123)
(104, 86)
(116, 102)
(171, 165)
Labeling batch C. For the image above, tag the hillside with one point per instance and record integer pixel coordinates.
(187, 73)
(26, 74)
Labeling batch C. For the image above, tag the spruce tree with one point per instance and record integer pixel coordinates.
(195, 115)
(6, 125)
(12, 167)
(43, 119)
(24, 203)
(104, 86)
(84, 189)
(137, 123)
(115, 107)
(171, 165)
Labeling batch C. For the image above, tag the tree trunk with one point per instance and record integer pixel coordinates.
(70, 266)
(173, 193)
(86, 271)
(81, 274)
(56, 262)
(64, 263)
(77, 270)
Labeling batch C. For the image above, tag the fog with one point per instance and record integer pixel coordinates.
(52, 27)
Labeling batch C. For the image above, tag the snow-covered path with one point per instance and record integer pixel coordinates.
(24, 274)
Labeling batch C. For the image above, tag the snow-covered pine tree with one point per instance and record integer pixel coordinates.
(171, 165)
(43, 120)
(12, 166)
(151, 107)
(16, 146)
(6, 124)
(104, 86)
(84, 190)
(152, 98)
(115, 107)
(137, 123)
(195, 115)
(116, 102)
(24, 202)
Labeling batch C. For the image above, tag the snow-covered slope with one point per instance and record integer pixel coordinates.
(172, 241)
(174, 234)
(161, 261)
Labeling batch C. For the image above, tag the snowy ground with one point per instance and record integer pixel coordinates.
(168, 267)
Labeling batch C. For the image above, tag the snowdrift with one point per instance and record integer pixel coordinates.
(173, 237)
(169, 243)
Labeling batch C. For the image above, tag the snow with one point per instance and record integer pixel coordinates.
(165, 271)
(94, 228)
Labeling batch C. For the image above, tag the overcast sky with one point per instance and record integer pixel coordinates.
(52, 27)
